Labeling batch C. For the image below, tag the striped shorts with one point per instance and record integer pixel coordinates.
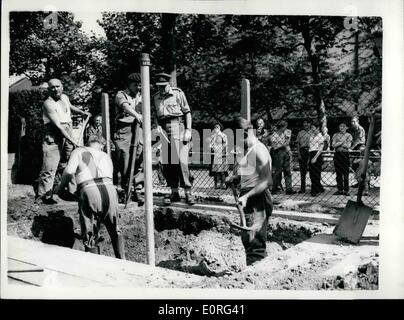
(98, 203)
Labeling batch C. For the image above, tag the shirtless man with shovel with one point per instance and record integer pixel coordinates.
(255, 201)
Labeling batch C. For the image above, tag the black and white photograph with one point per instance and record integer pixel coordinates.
(223, 147)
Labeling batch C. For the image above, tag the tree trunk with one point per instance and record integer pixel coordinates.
(168, 45)
(315, 72)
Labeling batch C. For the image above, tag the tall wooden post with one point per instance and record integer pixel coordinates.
(106, 129)
(245, 99)
(147, 156)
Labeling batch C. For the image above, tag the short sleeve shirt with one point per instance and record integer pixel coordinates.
(358, 136)
(316, 142)
(344, 138)
(135, 103)
(172, 104)
(303, 139)
(279, 139)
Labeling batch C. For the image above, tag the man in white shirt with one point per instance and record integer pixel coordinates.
(98, 200)
(58, 142)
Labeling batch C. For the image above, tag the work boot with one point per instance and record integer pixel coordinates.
(119, 247)
(175, 197)
(189, 198)
(137, 198)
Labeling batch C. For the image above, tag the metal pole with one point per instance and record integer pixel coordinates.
(106, 129)
(245, 99)
(147, 157)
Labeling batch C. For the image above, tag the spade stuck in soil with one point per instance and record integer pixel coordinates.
(355, 216)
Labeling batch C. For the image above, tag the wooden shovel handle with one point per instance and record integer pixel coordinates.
(369, 141)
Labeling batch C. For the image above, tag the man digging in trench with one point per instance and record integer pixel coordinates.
(255, 198)
(98, 199)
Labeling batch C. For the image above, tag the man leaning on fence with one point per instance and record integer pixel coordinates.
(58, 142)
(175, 124)
(303, 139)
(281, 157)
(316, 147)
(341, 142)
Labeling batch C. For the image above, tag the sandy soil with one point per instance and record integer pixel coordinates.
(301, 255)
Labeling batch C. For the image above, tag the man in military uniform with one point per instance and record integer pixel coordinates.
(175, 122)
(128, 130)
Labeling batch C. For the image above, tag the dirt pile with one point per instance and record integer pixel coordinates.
(365, 277)
(197, 243)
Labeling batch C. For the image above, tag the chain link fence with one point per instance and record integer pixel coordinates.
(204, 186)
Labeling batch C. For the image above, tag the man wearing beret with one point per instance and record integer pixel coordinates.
(175, 122)
(128, 129)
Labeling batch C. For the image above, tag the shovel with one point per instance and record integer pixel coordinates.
(243, 224)
(134, 144)
(355, 216)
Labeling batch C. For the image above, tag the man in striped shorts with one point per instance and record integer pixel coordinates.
(98, 199)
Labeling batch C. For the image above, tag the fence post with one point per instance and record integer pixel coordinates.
(106, 129)
(245, 99)
(147, 156)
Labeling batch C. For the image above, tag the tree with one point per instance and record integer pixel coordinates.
(59, 50)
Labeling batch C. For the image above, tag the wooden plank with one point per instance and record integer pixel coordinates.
(79, 268)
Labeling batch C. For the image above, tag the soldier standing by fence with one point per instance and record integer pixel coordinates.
(58, 142)
(175, 122)
(128, 129)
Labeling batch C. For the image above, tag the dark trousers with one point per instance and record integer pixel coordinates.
(127, 137)
(341, 164)
(56, 153)
(257, 211)
(281, 164)
(315, 172)
(303, 167)
(175, 156)
(98, 203)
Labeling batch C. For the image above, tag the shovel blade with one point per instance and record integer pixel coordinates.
(352, 222)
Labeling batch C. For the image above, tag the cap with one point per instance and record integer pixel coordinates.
(162, 79)
(134, 77)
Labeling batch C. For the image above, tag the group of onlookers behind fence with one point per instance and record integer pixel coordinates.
(312, 142)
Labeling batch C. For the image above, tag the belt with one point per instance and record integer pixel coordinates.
(171, 119)
(94, 182)
(279, 149)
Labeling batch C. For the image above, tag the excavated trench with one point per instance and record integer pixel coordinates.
(205, 244)
(196, 242)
